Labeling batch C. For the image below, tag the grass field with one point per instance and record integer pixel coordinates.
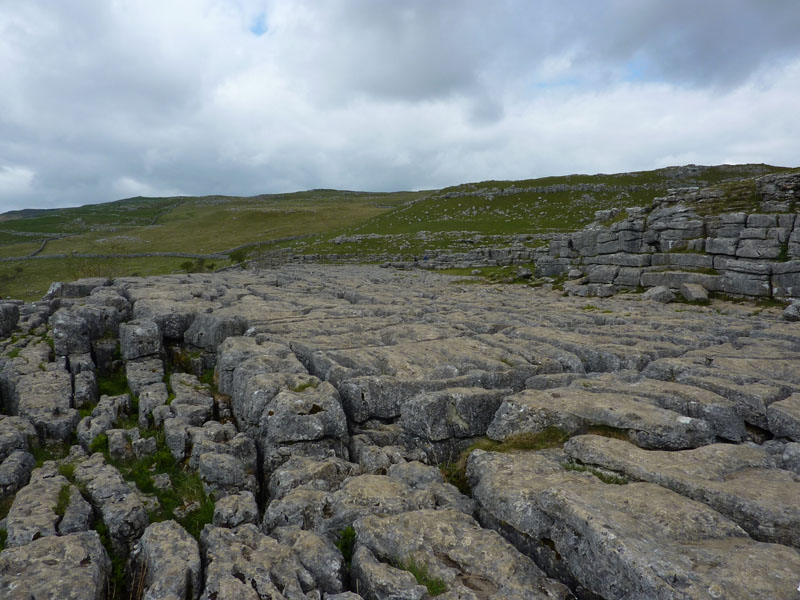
(404, 223)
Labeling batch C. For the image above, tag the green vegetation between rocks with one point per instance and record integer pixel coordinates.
(63, 500)
(434, 585)
(455, 471)
(603, 476)
(185, 500)
(345, 542)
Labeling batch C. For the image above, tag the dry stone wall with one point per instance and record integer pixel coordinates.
(753, 254)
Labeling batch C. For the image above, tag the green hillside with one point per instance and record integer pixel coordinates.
(316, 221)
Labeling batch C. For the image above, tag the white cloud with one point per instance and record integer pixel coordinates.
(15, 180)
(102, 100)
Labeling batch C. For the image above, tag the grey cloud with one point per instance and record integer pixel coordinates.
(99, 98)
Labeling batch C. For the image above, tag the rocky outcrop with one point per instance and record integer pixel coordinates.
(284, 432)
(687, 238)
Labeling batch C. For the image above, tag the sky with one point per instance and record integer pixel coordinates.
(108, 99)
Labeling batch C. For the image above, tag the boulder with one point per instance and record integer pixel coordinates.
(660, 294)
(784, 418)
(140, 338)
(70, 567)
(166, 563)
(235, 509)
(693, 292)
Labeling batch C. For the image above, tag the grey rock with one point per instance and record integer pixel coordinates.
(693, 292)
(311, 414)
(143, 373)
(71, 567)
(14, 435)
(223, 474)
(120, 443)
(235, 509)
(574, 410)
(318, 555)
(453, 548)
(144, 447)
(244, 563)
(790, 459)
(103, 418)
(326, 475)
(660, 294)
(33, 512)
(86, 393)
(208, 331)
(9, 316)
(75, 289)
(377, 580)
(167, 563)
(737, 481)
(78, 516)
(641, 540)
(193, 400)
(784, 418)
(44, 398)
(140, 338)
(792, 312)
(458, 412)
(15, 472)
(119, 505)
(71, 333)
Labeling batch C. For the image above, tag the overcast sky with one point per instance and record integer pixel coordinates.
(107, 99)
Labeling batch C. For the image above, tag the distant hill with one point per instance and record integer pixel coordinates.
(318, 222)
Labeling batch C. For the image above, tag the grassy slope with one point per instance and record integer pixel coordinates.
(523, 212)
(197, 225)
(417, 221)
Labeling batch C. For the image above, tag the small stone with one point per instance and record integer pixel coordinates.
(792, 312)
(660, 293)
(693, 292)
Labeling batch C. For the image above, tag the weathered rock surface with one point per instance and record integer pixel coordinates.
(454, 548)
(167, 563)
(118, 503)
(71, 567)
(245, 563)
(338, 390)
(573, 410)
(740, 482)
(625, 541)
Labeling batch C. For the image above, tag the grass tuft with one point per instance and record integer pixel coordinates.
(601, 475)
(455, 472)
(345, 543)
(434, 585)
(313, 384)
(63, 500)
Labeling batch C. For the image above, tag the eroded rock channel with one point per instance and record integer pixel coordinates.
(345, 432)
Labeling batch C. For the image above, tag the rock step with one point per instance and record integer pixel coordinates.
(739, 482)
(574, 410)
(695, 402)
(638, 540)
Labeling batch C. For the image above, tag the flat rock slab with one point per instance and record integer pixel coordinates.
(627, 541)
(573, 410)
(44, 399)
(454, 548)
(71, 567)
(687, 400)
(738, 481)
(784, 418)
